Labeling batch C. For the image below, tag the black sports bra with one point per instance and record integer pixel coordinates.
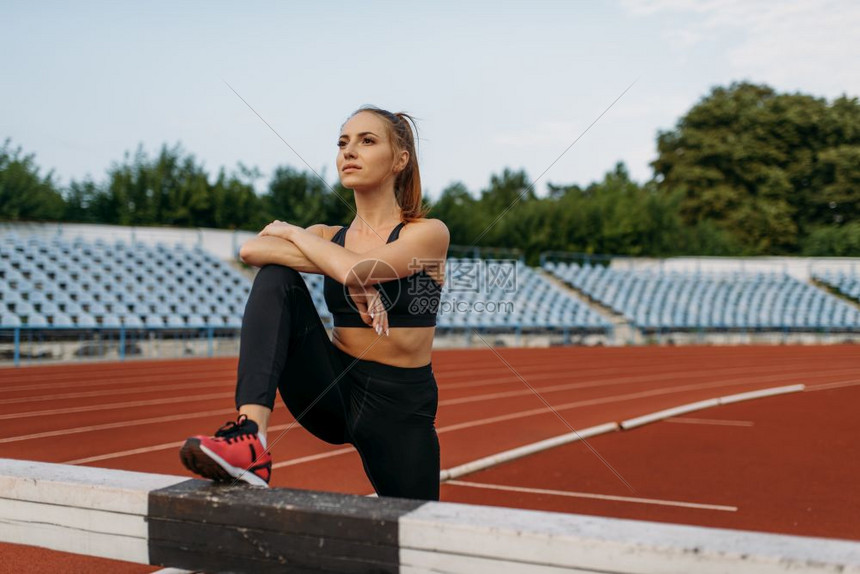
(411, 301)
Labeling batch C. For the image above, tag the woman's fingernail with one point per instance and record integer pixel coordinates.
(386, 332)
(378, 330)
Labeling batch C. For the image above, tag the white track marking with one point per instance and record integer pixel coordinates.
(716, 422)
(143, 450)
(111, 406)
(523, 414)
(668, 375)
(117, 425)
(761, 393)
(526, 450)
(116, 391)
(600, 401)
(631, 499)
(310, 458)
(836, 385)
(191, 398)
(572, 386)
(661, 415)
(666, 413)
(313, 457)
(131, 452)
(709, 403)
(110, 378)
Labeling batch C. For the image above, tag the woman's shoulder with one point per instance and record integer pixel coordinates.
(433, 233)
(428, 225)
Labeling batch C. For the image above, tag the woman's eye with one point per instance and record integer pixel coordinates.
(368, 140)
(341, 143)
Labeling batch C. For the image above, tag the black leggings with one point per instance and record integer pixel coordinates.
(388, 413)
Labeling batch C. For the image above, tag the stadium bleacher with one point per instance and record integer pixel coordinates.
(79, 284)
(709, 301)
(490, 293)
(848, 284)
(54, 283)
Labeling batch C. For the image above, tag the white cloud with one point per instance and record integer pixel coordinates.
(795, 44)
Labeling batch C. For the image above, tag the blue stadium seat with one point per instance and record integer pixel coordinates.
(133, 320)
(153, 321)
(61, 320)
(8, 320)
(196, 321)
(175, 321)
(37, 320)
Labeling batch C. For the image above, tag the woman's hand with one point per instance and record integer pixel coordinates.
(280, 229)
(378, 314)
(369, 303)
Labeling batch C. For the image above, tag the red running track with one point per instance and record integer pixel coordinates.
(135, 415)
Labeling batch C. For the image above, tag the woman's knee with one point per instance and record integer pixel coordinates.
(278, 276)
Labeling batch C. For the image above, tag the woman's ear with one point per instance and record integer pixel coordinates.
(402, 161)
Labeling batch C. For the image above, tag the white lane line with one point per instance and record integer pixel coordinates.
(99, 378)
(310, 458)
(718, 422)
(836, 385)
(631, 499)
(709, 403)
(112, 406)
(469, 424)
(143, 450)
(670, 412)
(605, 400)
(661, 415)
(523, 414)
(313, 457)
(762, 393)
(117, 425)
(131, 452)
(118, 391)
(606, 382)
(526, 450)
(290, 462)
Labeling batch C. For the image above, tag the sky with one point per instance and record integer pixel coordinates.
(563, 90)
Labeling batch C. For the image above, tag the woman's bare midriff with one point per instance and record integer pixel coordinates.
(404, 347)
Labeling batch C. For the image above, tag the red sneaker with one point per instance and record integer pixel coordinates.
(234, 453)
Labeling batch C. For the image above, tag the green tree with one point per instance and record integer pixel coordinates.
(838, 199)
(170, 189)
(339, 205)
(456, 207)
(297, 197)
(503, 199)
(614, 216)
(833, 241)
(764, 167)
(24, 194)
(84, 202)
(234, 203)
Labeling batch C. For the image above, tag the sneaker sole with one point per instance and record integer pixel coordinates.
(202, 461)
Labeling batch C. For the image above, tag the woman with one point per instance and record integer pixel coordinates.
(372, 384)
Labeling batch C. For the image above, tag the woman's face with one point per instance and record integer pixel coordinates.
(365, 159)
